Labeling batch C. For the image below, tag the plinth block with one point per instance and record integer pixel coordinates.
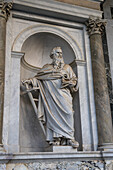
(62, 149)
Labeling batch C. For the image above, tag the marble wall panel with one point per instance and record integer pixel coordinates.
(32, 47)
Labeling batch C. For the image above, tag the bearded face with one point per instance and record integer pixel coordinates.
(57, 57)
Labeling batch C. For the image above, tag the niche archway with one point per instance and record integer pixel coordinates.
(37, 49)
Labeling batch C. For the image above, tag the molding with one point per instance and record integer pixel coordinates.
(76, 156)
(15, 54)
(106, 147)
(80, 62)
(47, 20)
(56, 9)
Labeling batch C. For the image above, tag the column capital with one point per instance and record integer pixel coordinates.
(5, 8)
(1, 76)
(95, 25)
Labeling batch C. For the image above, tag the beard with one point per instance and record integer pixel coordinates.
(58, 63)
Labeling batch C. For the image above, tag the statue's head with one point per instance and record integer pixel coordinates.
(56, 52)
(56, 56)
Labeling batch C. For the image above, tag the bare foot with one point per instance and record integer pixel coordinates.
(56, 141)
(63, 141)
(73, 143)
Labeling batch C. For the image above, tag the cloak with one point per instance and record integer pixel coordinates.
(55, 107)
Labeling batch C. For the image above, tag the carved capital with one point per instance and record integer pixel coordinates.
(5, 8)
(95, 25)
(1, 76)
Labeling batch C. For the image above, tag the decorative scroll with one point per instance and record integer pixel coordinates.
(95, 25)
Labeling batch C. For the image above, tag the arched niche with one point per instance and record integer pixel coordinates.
(30, 31)
(37, 48)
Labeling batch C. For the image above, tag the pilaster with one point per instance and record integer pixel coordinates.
(4, 14)
(87, 143)
(13, 137)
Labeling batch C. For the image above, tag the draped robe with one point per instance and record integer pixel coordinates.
(55, 101)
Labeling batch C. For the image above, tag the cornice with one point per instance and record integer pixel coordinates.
(55, 9)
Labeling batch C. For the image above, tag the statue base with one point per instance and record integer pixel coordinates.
(106, 147)
(64, 149)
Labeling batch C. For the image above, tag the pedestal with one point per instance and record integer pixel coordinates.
(64, 149)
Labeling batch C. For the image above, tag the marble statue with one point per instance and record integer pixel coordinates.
(56, 81)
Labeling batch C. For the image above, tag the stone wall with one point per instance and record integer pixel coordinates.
(86, 3)
(99, 160)
(58, 165)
